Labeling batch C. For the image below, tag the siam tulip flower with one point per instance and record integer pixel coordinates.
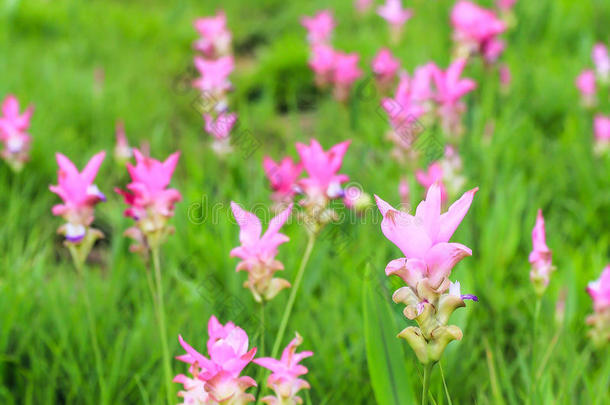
(395, 15)
(322, 62)
(323, 183)
(79, 196)
(214, 81)
(122, 151)
(450, 88)
(493, 50)
(284, 380)
(602, 62)
(585, 83)
(151, 203)
(258, 252)
(476, 30)
(216, 380)
(283, 177)
(345, 73)
(405, 195)
(363, 6)
(319, 27)
(505, 77)
(429, 296)
(13, 133)
(215, 38)
(220, 128)
(599, 290)
(385, 66)
(434, 175)
(356, 199)
(540, 257)
(505, 5)
(601, 129)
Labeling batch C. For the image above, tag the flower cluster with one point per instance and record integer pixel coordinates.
(329, 65)
(284, 380)
(216, 380)
(540, 257)
(258, 252)
(396, 16)
(151, 203)
(215, 64)
(429, 297)
(599, 290)
(13, 133)
(79, 197)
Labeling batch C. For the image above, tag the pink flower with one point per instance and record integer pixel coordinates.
(362, 6)
(450, 88)
(404, 193)
(122, 151)
(585, 82)
(505, 76)
(214, 75)
(601, 127)
(322, 62)
(385, 65)
(150, 202)
(599, 290)
(505, 5)
(319, 27)
(215, 37)
(13, 127)
(602, 61)
(221, 127)
(228, 350)
(404, 108)
(393, 12)
(434, 175)
(540, 257)
(322, 167)
(79, 195)
(424, 239)
(283, 177)
(345, 73)
(258, 252)
(492, 50)
(475, 24)
(284, 379)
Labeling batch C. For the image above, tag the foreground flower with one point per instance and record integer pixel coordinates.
(151, 203)
(258, 252)
(215, 38)
(601, 129)
(395, 15)
(585, 83)
(599, 290)
(319, 27)
(540, 257)
(79, 195)
(476, 30)
(13, 133)
(430, 298)
(283, 177)
(284, 380)
(216, 380)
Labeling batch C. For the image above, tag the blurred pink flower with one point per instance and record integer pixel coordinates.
(322, 62)
(404, 192)
(404, 108)
(346, 72)
(362, 6)
(13, 127)
(385, 65)
(424, 239)
(601, 129)
(214, 75)
(283, 177)
(228, 350)
(450, 88)
(434, 175)
(215, 38)
(505, 76)
(599, 290)
(319, 27)
(221, 126)
(122, 151)
(393, 12)
(493, 49)
(505, 5)
(258, 252)
(474, 23)
(284, 379)
(540, 257)
(585, 82)
(322, 167)
(602, 61)
(79, 195)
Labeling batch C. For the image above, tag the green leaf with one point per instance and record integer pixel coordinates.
(385, 356)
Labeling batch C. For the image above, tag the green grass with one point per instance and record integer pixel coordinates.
(539, 156)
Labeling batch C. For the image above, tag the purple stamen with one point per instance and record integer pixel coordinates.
(470, 297)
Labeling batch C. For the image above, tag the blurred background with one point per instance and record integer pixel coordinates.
(85, 65)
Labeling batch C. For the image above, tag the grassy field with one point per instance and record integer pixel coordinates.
(85, 65)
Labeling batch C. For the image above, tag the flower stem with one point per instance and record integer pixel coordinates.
(262, 330)
(293, 295)
(93, 332)
(167, 368)
(445, 384)
(534, 337)
(426, 384)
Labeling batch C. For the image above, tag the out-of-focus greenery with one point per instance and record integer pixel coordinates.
(528, 149)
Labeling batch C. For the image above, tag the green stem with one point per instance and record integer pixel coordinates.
(534, 337)
(93, 332)
(426, 384)
(167, 368)
(261, 353)
(445, 384)
(293, 295)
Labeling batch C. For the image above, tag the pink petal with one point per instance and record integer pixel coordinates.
(441, 259)
(453, 217)
(249, 224)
